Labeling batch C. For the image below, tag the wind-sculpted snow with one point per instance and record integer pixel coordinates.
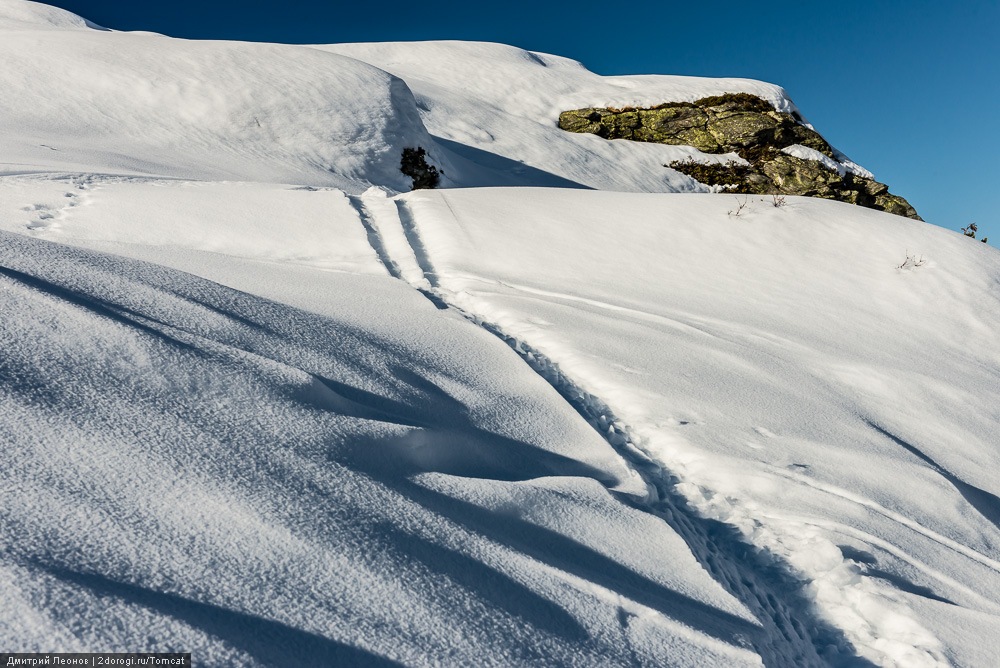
(186, 457)
(256, 405)
(496, 109)
(80, 99)
(190, 467)
(837, 409)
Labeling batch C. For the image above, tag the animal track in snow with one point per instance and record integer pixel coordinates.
(45, 216)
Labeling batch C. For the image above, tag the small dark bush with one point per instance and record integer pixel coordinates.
(742, 101)
(728, 174)
(414, 164)
(971, 230)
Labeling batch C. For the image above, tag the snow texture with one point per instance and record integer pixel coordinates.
(778, 365)
(258, 405)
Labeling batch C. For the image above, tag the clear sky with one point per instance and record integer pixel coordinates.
(908, 88)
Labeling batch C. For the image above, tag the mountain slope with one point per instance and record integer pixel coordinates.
(140, 103)
(254, 408)
(498, 106)
(840, 409)
(265, 484)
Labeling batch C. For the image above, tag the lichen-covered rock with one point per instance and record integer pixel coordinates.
(895, 204)
(752, 128)
(797, 176)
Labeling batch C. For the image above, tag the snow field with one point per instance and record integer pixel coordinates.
(868, 554)
(348, 482)
(226, 427)
(144, 104)
(273, 223)
(633, 323)
(498, 106)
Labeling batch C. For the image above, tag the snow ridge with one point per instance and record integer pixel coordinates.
(791, 633)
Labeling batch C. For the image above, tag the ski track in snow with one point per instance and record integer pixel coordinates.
(931, 535)
(792, 633)
(367, 220)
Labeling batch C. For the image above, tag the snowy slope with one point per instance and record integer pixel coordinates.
(841, 411)
(254, 409)
(498, 106)
(86, 99)
(81, 99)
(367, 480)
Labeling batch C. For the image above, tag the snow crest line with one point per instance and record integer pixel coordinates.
(791, 633)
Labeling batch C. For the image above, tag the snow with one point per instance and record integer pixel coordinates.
(498, 105)
(144, 104)
(806, 153)
(842, 165)
(32, 15)
(778, 364)
(172, 444)
(272, 223)
(258, 405)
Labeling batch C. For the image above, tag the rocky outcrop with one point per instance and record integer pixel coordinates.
(753, 129)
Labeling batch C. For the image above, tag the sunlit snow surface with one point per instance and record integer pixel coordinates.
(252, 408)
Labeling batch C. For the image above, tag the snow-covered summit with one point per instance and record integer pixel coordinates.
(500, 105)
(145, 104)
(82, 99)
(24, 15)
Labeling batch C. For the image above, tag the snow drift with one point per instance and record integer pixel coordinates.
(147, 104)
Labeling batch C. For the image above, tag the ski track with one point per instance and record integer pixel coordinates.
(929, 534)
(791, 632)
(408, 223)
(374, 238)
(897, 552)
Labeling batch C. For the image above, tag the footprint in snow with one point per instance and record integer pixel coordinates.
(47, 217)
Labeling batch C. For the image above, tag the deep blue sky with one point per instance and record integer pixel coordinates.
(910, 88)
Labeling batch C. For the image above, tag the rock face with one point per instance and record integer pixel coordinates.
(757, 132)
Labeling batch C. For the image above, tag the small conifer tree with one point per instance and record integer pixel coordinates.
(414, 164)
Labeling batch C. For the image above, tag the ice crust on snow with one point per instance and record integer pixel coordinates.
(256, 405)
